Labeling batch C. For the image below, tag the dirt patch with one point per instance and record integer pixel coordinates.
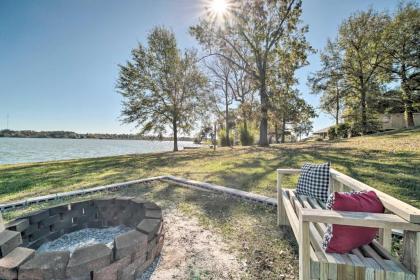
(192, 252)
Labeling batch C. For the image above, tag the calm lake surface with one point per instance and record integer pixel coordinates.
(19, 150)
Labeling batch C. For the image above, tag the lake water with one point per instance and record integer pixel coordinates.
(18, 150)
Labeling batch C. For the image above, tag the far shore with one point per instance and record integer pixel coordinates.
(7, 133)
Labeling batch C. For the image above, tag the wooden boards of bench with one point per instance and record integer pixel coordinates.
(369, 262)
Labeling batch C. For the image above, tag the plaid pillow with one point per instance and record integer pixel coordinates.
(314, 180)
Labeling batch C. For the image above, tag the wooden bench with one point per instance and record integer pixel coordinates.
(308, 219)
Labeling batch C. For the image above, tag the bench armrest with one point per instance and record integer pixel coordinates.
(362, 219)
(288, 171)
(281, 214)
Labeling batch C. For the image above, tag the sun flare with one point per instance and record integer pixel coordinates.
(218, 10)
(219, 7)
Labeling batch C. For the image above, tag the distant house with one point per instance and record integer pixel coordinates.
(396, 120)
(386, 121)
(322, 133)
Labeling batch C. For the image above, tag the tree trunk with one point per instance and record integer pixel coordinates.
(283, 129)
(215, 137)
(408, 113)
(244, 117)
(264, 116)
(227, 114)
(175, 130)
(363, 105)
(276, 132)
(337, 108)
(408, 102)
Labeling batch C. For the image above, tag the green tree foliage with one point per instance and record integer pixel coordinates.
(360, 37)
(162, 87)
(393, 101)
(343, 130)
(303, 114)
(286, 104)
(246, 136)
(332, 132)
(252, 35)
(329, 81)
(224, 140)
(402, 45)
(359, 71)
(288, 108)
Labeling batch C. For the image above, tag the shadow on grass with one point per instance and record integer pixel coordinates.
(249, 169)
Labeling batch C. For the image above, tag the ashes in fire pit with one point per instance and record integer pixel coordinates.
(84, 237)
(116, 239)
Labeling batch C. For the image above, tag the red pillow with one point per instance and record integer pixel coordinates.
(342, 239)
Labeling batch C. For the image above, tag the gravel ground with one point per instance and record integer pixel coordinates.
(84, 237)
(147, 274)
(192, 252)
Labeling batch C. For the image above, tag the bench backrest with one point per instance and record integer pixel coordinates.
(342, 182)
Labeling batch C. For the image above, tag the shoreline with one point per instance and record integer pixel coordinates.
(101, 138)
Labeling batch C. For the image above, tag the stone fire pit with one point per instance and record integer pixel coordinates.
(131, 253)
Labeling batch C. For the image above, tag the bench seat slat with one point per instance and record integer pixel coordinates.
(359, 267)
(374, 270)
(408, 275)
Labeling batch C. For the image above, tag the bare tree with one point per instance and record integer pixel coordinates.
(220, 74)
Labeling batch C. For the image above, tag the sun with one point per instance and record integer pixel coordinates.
(219, 7)
(218, 10)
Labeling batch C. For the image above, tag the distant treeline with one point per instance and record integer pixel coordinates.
(74, 135)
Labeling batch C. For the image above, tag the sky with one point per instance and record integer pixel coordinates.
(59, 59)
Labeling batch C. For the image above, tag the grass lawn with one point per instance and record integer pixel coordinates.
(389, 162)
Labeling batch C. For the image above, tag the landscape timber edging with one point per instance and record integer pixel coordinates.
(52, 197)
(256, 198)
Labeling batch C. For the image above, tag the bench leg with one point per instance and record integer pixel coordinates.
(1, 223)
(304, 251)
(385, 238)
(417, 255)
(281, 213)
(411, 253)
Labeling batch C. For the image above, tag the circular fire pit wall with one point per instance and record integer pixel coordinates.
(131, 253)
